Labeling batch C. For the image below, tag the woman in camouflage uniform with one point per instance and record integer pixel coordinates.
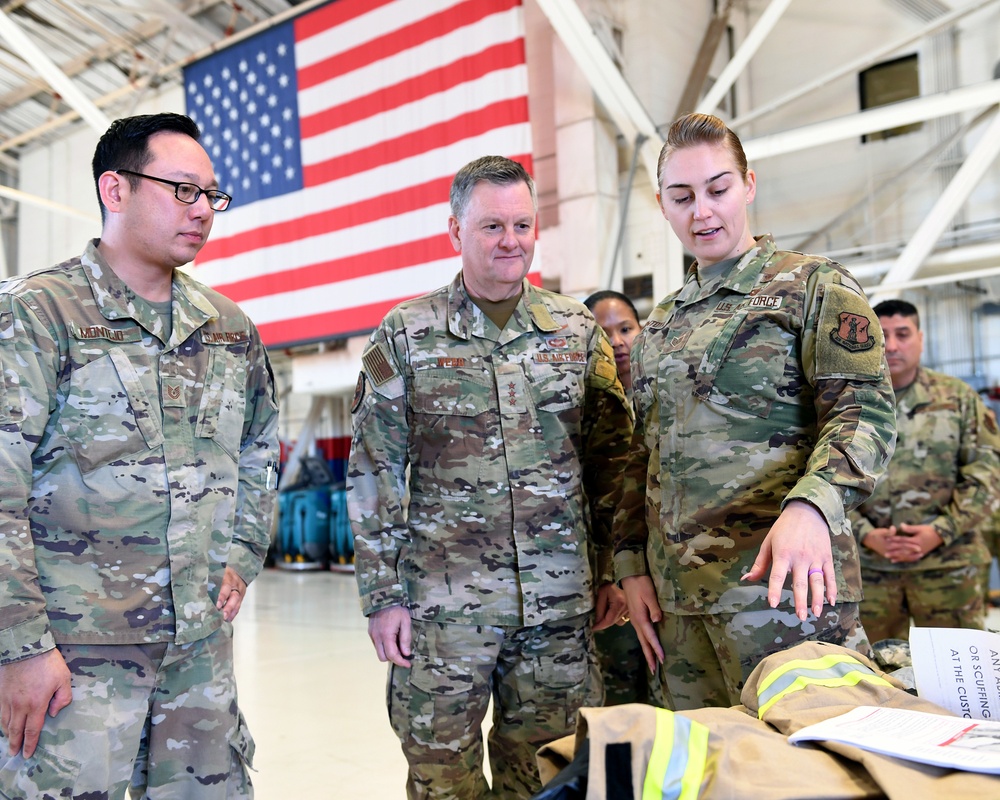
(763, 412)
(618, 649)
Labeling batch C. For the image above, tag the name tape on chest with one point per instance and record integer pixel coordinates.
(103, 332)
(225, 337)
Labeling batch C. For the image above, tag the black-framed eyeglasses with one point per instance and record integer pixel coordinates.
(187, 192)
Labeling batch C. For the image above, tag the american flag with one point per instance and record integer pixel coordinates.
(337, 133)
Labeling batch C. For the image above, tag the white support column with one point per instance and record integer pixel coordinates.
(742, 56)
(34, 56)
(944, 210)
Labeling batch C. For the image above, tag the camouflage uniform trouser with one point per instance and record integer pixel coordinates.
(623, 665)
(160, 717)
(934, 598)
(537, 677)
(709, 657)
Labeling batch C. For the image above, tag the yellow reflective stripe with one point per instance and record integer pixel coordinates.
(834, 665)
(659, 759)
(677, 762)
(832, 671)
(799, 664)
(694, 774)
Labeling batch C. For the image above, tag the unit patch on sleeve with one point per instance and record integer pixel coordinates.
(852, 332)
(359, 393)
(848, 337)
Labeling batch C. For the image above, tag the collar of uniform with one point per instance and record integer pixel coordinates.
(742, 278)
(916, 395)
(466, 319)
(116, 300)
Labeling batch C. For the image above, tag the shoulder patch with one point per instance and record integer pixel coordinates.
(359, 392)
(605, 370)
(852, 332)
(991, 422)
(377, 364)
(848, 336)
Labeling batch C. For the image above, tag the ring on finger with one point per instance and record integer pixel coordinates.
(814, 571)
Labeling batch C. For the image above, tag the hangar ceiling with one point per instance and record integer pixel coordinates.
(108, 52)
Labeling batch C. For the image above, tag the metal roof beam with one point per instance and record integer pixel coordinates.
(742, 56)
(941, 214)
(861, 63)
(55, 77)
(49, 205)
(703, 60)
(953, 101)
(163, 72)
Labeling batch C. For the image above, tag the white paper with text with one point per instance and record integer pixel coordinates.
(943, 741)
(958, 669)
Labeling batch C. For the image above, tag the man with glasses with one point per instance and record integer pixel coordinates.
(137, 444)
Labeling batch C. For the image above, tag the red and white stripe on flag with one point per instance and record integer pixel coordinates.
(345, 208)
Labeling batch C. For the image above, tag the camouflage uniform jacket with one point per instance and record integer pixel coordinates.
(131, 471)
(505, 433)
(765, 385)
(945, 471)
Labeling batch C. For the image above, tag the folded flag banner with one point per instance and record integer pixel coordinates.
(337, 133)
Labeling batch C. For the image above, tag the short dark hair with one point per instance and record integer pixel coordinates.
(897, 308)
(610, 294)
(125, 145)
(492, 169)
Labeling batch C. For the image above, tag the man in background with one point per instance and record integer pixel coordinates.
(921, 532)
(138, 431)
(495, 408)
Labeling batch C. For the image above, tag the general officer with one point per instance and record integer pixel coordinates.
(495, 407)
(923, 555)
(137, 425)
(763, 413)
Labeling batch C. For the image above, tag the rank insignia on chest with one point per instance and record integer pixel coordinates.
(173, 392)
(852, 332)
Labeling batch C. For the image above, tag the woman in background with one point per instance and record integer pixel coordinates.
(618, 649)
